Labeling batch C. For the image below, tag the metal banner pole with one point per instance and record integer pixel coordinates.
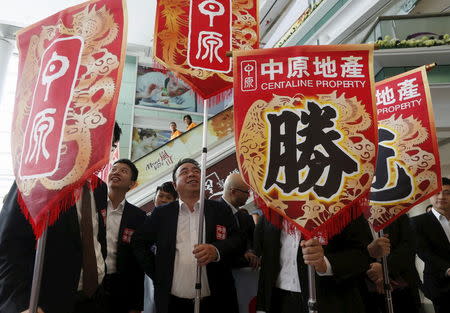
(198, 283)
(37, 272)
(312, 301)
(387, 283)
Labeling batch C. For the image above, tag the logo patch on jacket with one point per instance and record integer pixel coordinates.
(103, 213)
(127, 233)
(221, 232)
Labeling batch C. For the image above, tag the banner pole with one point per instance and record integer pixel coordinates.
(387, 283)
(430, 66)
(312, 301)
(38, 266)
(198, 283)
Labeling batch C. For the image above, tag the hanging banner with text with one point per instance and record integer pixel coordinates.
(408, 168)
(70, 70)
(306, 131)
(193, 37)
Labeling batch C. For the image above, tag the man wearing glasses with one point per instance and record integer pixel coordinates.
(235, 195)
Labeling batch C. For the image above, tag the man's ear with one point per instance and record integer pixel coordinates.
(133, 184)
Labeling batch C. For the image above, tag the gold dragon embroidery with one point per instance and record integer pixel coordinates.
(98, 29)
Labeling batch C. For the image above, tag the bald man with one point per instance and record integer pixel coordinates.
(235, 195)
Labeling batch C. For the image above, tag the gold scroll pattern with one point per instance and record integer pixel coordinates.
(175, 42)
(92, 92)
(410, 134)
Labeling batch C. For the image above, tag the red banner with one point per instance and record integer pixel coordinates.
(70, 69)
(306, 134)
(196, 50)
(408, 169)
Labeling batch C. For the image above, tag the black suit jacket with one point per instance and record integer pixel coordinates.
(401, 260)
(402, 269)
(247, 227)
(159, 233)
(433, 248)
(62, 262)
(128, 286)
(346, 253)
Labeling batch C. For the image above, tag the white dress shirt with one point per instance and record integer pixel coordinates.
(113, 219)
(443, 221)
(185, 265)
(97, 245)
(288, 278)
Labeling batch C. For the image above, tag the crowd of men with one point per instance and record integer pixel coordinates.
(99, 249)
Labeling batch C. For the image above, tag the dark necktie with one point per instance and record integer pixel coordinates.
(237, 219)
(90, 275)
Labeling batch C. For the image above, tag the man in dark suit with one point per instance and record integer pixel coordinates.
(235, 195)
(283, 279)
(62, 262)
(166, 247)
(62, 287)
(124, 280)
(432, 232)
(398, 246)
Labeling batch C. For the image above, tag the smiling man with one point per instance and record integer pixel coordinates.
(173, 230)
(432, 231)
(124, 280)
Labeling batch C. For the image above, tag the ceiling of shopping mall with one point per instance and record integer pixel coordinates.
(141, 15)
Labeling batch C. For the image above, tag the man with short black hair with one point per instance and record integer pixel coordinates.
(188, 121)
(116, 136)
(165, 193)
(124, 280)
(173, 231)
(432, 230)
(175, 132)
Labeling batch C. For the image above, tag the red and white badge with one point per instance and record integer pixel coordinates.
(221, 232)
(127, 233)
(103, 213)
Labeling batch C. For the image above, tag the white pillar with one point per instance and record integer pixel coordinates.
(6, 48)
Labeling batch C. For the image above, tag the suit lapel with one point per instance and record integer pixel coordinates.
(101, 203)
(172, 226)
(440, 233)
(123, 222)
(209, 225)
